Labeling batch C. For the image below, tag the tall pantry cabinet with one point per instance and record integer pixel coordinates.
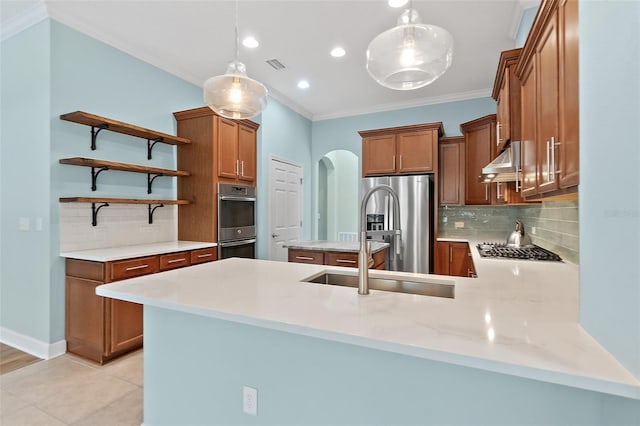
(221, 151)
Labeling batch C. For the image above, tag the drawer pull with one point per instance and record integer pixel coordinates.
(176, 260)
(200, 256)
(345, 261)
(133, 268)
(305, 258)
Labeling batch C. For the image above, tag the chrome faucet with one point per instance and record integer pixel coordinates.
(364, 255)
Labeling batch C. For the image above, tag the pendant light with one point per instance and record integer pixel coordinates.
(234, 95)
(411, 54)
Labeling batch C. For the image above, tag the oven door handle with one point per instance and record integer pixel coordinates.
(236, 198)
(237, 243)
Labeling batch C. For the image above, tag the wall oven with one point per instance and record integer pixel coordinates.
(236, 221)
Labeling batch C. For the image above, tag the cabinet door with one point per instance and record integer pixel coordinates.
(84, 311)
(247, 154)
(306, 256)
(479, 144)
(125, 325)
(451, 173)
(459, 259)
(568, 143)
(341, 259)
(503, 126)
(227, 138)
(441, 263)
(529, 145)
(547, 105)
(379, 155)
(415, 151)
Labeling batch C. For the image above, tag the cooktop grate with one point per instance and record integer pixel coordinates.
(501, 250)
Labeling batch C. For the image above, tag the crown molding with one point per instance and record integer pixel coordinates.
(35, 14)
(433, 100)
(289, 103)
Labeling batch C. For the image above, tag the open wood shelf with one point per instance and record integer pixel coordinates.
(103, 165)
(104, 202)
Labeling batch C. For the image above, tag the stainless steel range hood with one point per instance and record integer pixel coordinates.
(505, 167)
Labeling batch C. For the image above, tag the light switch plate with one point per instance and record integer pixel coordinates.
(459, 225)
(23, 224)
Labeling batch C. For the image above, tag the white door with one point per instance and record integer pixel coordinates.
(285, 206)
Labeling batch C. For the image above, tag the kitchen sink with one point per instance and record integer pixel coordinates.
(423, 288)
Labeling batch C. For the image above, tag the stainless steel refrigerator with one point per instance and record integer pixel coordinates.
(415, 194)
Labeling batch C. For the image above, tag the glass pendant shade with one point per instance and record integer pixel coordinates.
(234, 95)
(410, 55)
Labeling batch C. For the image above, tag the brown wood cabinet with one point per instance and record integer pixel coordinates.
(548, 70)
(480, 149)
(400, 150)
(336, 258)
(506, 92)
(99, 328)
(451, 171)
(454, 258)
(221, 150)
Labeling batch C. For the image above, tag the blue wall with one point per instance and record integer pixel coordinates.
(24, 184)
(525, 25)
(309, 381)
(610, 177)
(286, 135)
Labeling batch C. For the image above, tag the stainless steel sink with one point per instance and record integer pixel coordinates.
(427, 288)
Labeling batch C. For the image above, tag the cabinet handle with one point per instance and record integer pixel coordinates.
(133, 268)
(305, 258)
(401, 162)
(236, 168)
(517, 180)
(200, 256)
(471, 274)
(498, 125)
(548, 163)
(450, 255)
(486, 191)
(242, 168)
(499, 190)
(182, 259)
(553, 158)
(345, 261)
(394, 162)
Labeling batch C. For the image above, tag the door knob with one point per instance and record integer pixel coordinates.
(275, 235)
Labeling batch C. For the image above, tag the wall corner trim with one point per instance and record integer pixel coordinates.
(32, 346)
(24, 20)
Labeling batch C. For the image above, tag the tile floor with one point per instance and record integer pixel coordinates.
(68, 390)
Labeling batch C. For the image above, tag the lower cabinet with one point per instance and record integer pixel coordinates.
(335, 258)
(100, 328)
(454, 258)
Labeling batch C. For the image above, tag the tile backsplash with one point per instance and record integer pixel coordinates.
(556, 224)
(118, 225)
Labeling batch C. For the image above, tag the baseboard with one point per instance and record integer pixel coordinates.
(32, 346)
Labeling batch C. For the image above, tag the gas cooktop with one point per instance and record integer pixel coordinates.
(501, 250)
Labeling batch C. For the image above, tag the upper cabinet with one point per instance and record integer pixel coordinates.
(480, 149)
(506, 92)
(548, 71)
(237, 155)
(451, 171)
(400, 150)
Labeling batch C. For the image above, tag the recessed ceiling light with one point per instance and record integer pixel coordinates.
(338, 52)
(250, 42)
(303, 84)
(397, 3)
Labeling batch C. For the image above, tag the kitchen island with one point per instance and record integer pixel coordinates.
(335, 253)
(507, 349)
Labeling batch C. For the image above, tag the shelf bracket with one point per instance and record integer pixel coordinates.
(151, 145)
(94, 212)
(94, 176)
(94, 134)
(151, 179)
(151, 211)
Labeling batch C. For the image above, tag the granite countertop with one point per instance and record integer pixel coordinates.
(128, 252)
(343, 246)
(518, 317)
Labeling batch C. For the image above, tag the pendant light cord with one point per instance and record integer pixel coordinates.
(237, 37)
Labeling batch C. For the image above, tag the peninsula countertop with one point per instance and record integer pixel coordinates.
(518, 317)
(127, 252)
(339, 246)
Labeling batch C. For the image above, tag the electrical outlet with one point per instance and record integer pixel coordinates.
(533, 230)
(23, 224)
(250, 400)
(459, 225)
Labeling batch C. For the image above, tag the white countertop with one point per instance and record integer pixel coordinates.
(343, 246)
(518, 318)
(128, 252)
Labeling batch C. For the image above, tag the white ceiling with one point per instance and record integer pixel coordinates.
(195, 40)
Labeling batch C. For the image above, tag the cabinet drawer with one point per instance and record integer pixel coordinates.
(85, 269)
(133, 268)
(341, 259)
(203, 255)
(175, 260)
(306, 256)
